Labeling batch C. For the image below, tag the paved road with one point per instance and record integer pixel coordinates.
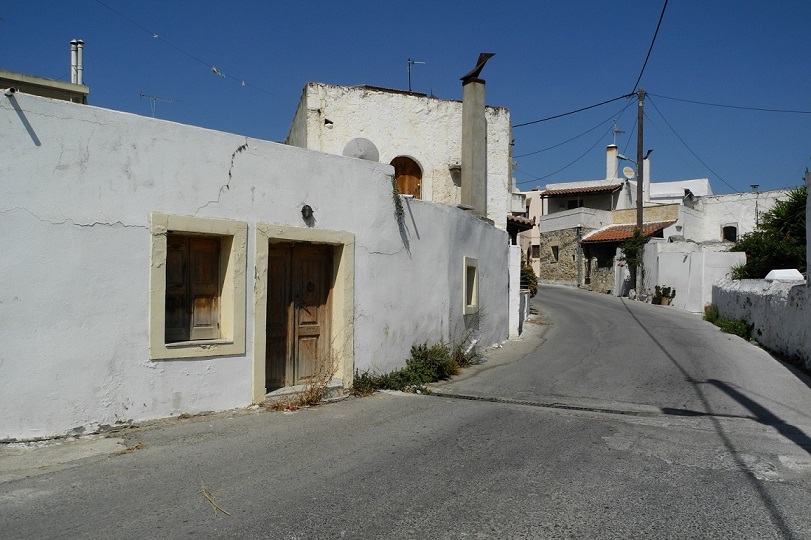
(616, 354)
(407, 466)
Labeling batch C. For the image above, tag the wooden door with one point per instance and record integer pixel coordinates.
(408, 175)
(298, 318)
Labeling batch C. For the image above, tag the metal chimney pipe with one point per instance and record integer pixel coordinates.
(73, 60)
(80, 62)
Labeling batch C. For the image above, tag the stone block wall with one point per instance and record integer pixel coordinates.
(564, 268)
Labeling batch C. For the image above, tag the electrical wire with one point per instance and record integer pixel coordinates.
(573, 112)
(690, 149)
(616, 115)
(761, 109)
(656, 33)
(154, 35)
(570, 164)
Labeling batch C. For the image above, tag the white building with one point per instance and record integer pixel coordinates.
(153, 268)
(419, 135)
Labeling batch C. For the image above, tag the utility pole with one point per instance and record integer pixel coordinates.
(640, 192)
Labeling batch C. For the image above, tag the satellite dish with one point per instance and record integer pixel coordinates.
(628, 172)
(362, 149)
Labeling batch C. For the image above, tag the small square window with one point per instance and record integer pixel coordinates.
(471, 285)
(197, 287)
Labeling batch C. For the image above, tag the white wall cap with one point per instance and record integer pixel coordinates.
(785, 275)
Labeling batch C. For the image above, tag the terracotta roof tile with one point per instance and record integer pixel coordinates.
(617, 233)
(603, 188)
(520, 223)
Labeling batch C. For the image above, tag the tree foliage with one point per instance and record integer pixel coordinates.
(778, 241)
(632, 250)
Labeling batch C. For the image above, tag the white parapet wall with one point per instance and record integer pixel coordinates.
(778, 313)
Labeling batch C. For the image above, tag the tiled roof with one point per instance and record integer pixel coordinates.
(520, 223)
(617, 233)
(603, 188)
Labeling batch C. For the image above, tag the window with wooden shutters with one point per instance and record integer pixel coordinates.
(192, 288)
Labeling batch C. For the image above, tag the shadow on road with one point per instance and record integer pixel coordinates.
(760, 413)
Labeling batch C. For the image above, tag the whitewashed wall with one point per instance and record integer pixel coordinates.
(426, 129)
(737, 209)
(688, 267)
(778, 313)
(78, 186)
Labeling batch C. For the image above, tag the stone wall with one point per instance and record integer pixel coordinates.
(564, 267)
(664, 212)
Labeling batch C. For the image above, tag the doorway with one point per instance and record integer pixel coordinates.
(300, 283)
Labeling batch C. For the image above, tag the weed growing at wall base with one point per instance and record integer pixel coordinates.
(427, 364)
(730, 326)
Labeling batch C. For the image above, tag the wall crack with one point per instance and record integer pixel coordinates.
(69, 221)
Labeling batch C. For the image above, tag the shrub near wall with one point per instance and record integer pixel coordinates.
(778, 314)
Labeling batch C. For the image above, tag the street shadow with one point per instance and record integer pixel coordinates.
(768, 502)
(765, 416)
(28, 127)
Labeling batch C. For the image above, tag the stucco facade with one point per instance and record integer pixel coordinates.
(88, 198)
(425, 129)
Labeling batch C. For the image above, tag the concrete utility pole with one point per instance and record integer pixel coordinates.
(640, 189)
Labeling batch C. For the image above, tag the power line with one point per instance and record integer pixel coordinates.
(572, 163)
(656, 33)
(690, 149)
(615, 116)
(573, 112)
(154, 35)
(762, 109)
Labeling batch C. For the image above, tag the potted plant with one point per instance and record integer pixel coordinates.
(663, 295)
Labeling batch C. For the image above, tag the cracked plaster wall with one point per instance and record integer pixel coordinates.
(78, 189)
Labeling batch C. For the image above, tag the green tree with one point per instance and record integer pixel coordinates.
(778, 241)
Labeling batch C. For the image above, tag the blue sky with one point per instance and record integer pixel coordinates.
(551, 57)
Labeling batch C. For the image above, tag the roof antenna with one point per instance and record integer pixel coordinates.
(410, 63)
(616, 131)
(153, 99)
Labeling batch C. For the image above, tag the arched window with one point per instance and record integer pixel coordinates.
(408, 175)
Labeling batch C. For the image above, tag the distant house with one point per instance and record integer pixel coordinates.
(581, 226)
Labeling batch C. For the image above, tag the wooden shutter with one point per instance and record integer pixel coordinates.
(192, 288)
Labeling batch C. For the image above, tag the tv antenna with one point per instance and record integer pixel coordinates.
(154, 99)
(616, 132)
(410, 63)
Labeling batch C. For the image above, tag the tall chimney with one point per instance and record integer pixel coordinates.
(74, 62)
(646, 179)
(611, 162)
(80, 62)
(474, 141)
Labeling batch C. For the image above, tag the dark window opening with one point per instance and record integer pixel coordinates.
(730, 233)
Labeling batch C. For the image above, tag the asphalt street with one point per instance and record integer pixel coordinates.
(564, 434)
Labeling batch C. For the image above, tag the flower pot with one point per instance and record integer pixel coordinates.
(664, 301)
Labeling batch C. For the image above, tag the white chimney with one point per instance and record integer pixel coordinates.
(646, 179)
(73, 60)
(474, 141)
(611, 162)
